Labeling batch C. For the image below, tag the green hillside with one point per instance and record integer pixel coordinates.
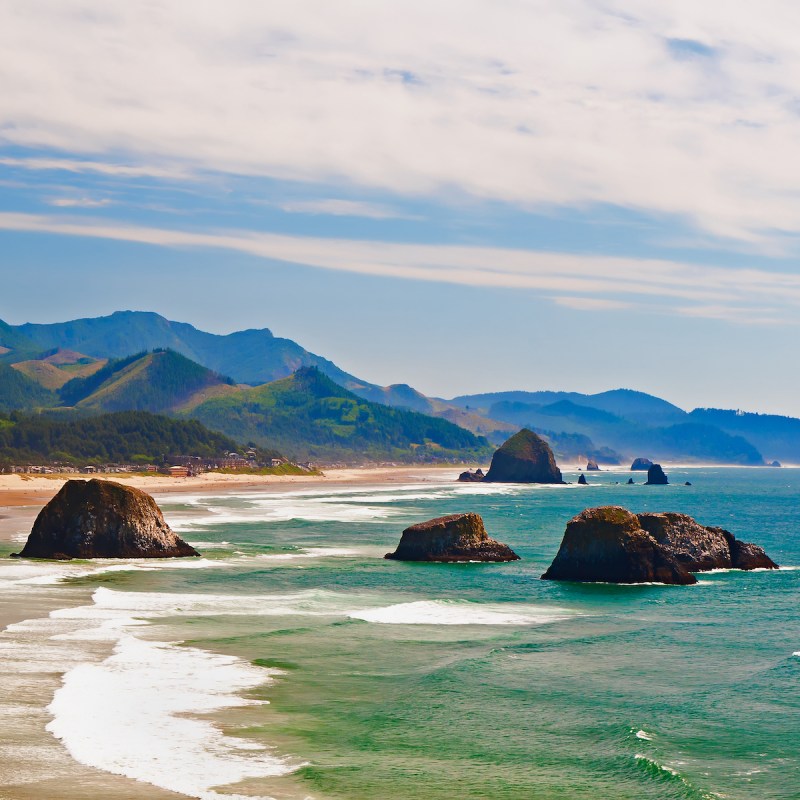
(124, 437)
(18, 391)
(159, 381)
(308, 416)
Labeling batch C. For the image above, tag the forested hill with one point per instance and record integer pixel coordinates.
(309, 416)
(124, 437)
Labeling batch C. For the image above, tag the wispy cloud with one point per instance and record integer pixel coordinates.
(686, 109)
(78, 202)
(344, 208)
(576, 281)
(96, 167)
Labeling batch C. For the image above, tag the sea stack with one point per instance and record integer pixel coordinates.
(656, 476)
(592, 466)
(524, 458)
(641, 464)
(611, 545)
(103, 519)
(582, 480)
(458, 537)
(471, 477)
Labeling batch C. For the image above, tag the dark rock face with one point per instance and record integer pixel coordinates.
(582, 480)
(592, 465)
(471, 477)
(458, 537)
(696, 547)
(656, 476)
(612, 545)
(102, 519)
(609, 545)
(641, 464)
(524, 458)
(630, 482)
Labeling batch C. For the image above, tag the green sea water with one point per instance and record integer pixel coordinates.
(389, 680)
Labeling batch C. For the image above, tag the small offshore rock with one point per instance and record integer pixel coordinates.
(471, 477)
(656, 476)
(103, 519)
(582, 480)
(630, 482)
(641, 464)
(457, 537)
(524, 458)
(592, 466)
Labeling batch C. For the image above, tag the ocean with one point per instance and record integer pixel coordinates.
(292, 661)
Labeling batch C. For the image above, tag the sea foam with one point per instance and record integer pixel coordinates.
(128, 716)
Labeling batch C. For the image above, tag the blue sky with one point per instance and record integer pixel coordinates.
(465, 197)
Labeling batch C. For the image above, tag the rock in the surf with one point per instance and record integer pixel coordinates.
(592, 466)
(696, 546)
(656, 476)
(582, 480)
(524, 458)
(641, 464)
(103, 519)
(471, 477)
(457, 537)
(609, 545)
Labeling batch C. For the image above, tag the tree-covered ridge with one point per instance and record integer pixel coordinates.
(157, 381)
(309, 416)
(122, 437)
(19, 391)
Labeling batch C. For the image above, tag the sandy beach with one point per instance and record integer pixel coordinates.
(36, 490)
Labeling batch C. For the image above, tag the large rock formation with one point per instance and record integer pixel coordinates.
(458, 537)
(612, 545)
(524, 458)
(609, 545)
(656, 476)
(472, 477)
(102, 519)
(641, 464)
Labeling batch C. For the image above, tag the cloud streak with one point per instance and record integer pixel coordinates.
(580, 282)
(681, 108)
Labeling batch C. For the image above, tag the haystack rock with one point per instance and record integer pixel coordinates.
(458, 537)
(592, 466)
(103, 519)
(471, 477)
(609, 545)
(582, 480)
(656, 476)
(524, 458)
(641, 464)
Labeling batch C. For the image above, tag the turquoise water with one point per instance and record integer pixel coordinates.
(397, 680)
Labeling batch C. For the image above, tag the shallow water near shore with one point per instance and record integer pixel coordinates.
(293, 661)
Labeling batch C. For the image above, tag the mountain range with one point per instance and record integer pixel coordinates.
(236, 383)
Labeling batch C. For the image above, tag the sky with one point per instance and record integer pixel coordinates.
(469, 196)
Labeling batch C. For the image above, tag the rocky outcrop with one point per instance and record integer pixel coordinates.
(582, 480)
(609, 545)
(524, 458)
(656, 476)
(102, 519)
(641, 464)
(774, 463)
(612, 545)
(592, 465)
(630, 482)
(471, 477)
(458, 537)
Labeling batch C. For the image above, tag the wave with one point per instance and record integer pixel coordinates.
(459, 612)
(127, 716)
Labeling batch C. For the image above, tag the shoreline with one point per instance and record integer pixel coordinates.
(35, 490)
